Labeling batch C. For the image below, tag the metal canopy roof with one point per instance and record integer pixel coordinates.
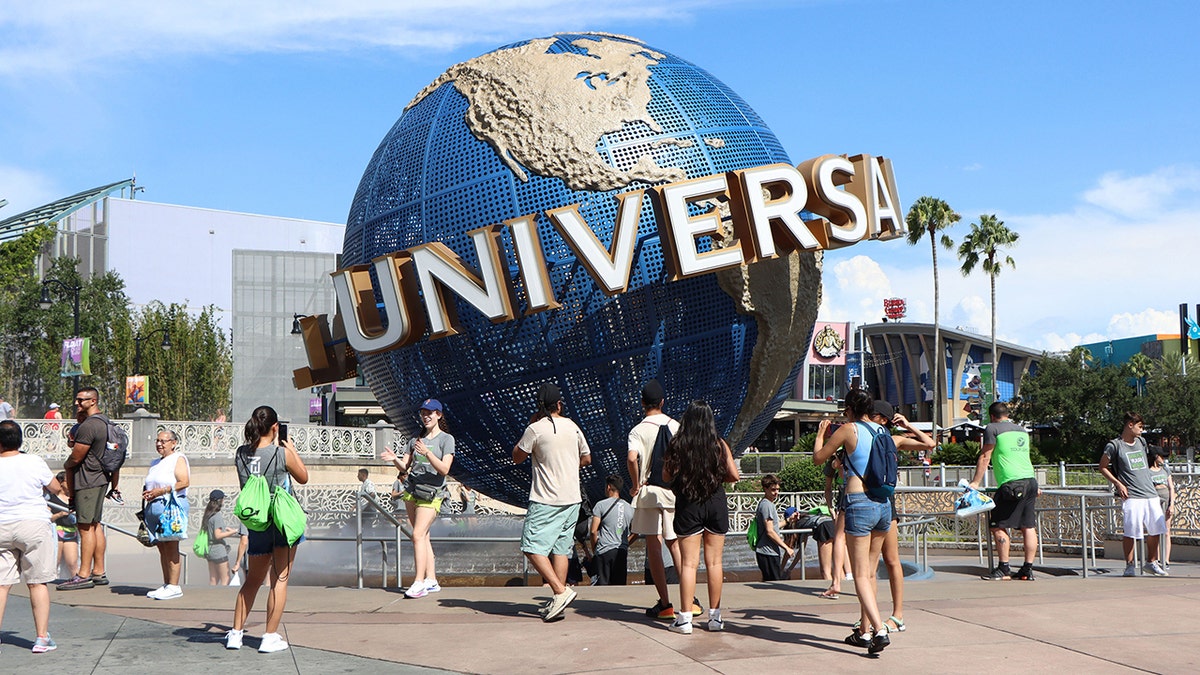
(18, 225)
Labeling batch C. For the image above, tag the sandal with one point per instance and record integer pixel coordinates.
(828, 594)
(900, 627)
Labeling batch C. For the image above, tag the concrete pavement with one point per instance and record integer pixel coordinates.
(956, 623)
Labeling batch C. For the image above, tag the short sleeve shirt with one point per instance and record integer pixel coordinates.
(615, 514)
(22, 478)
(421, 471)
(554, 445)
(269, 461)
(1130, 466)
(218, 550)
(92, 432)
(767, 511)
(1010, 456)
(641, 441)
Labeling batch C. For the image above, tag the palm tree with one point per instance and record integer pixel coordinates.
(982, 245)
(932, 215)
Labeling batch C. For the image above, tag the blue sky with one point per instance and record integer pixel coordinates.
(1074, 122)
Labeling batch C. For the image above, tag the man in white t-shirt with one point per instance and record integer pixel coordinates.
(29, 545)
(558, 450)
(653, 502)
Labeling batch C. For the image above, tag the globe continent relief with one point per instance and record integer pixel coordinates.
(549, 123)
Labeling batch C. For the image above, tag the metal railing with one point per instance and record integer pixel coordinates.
(183, 557)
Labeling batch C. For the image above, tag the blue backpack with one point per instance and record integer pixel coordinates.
(882, 466)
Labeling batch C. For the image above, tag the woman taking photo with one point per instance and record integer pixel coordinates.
(696, 465)
(423, 466)
(867, 521)
(277, 461)
(168, 474)
(218, 531)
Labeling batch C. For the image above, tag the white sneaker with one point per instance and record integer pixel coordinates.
(233, 639)
(156, 592)
(272, 642)
(432, 586)
(558, 603)
(417, 590)
(681, 628)
(168, 592)
(1155, 568)
(716, 625)
(1130, 570)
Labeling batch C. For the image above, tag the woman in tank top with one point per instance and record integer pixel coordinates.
(169, 473)
(867, 521)
(278, 462)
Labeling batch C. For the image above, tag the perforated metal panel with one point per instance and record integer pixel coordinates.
(431, 179)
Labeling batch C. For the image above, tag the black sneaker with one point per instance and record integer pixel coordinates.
(1001, 573)
(661, 612)
(99, 579)
(878, 642)
(115, 496)
(857, 639)
(1024, 574)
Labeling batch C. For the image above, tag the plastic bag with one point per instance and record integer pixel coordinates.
(235, 578)
(972, 501)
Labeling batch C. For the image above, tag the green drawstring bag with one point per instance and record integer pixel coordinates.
(287, 515)
(752, 533)
(200, 546)
(253, 503)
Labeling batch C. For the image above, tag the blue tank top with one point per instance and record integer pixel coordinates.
(862, 449)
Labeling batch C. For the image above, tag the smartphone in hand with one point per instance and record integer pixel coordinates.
(283, 432)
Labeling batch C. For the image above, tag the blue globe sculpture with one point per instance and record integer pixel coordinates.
(547, 123)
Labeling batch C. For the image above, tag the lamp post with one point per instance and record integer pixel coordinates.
(137, 347)
(46, 302)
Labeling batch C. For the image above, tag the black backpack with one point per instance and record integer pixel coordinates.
(661, 441)
(879, 479)
(116, 446)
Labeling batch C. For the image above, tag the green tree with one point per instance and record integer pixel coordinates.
(930, 215)
(981, 248)
(192, 379)
(1140, 366)
(1172, 397)
(1083, 404)
(802, 476)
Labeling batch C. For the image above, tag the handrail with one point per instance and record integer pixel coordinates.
(108, 526)
(358, 537)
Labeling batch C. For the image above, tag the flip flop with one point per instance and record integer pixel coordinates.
(828, 594)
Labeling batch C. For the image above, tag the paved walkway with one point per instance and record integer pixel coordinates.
(956, 622)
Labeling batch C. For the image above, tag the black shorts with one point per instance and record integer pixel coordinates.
(1015, 503)
(612, 567)
(771, 566)
(710, 515)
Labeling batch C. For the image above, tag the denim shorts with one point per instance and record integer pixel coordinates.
(864, 516)
(262, 543)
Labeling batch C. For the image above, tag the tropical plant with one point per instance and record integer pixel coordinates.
(981, 248)
(930, 215)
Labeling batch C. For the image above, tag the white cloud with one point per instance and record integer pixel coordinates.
(973, 313)
(57, 37)
(1138, 195)
(1145, 322)
(24, 190)
(1053, 342)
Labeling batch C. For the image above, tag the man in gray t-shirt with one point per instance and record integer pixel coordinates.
(1125, 465)
(771, 547)
(611, 517)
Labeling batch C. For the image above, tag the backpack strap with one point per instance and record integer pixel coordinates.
(848, 462)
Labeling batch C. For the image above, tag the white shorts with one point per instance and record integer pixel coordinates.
(652, 521)
(1143, 517)
(28, 552)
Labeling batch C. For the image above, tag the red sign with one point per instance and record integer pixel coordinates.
(895, 308)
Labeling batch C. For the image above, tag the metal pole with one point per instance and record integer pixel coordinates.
(1085, 532)
(399, 579)
(358, 540)
(75, 379)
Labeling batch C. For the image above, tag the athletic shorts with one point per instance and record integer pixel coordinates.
(1015, 504)
(612, 567)
(864, 516)
(549, 529)
(28, 552)
(710, 515)
(262, 543)
(89, 504)
(435, 504)
(1143, 517)
(654, 521)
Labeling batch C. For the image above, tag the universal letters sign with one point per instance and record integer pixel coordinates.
(854, 199)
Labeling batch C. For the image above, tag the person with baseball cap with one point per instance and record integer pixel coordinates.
(424, 466)
(218, 529)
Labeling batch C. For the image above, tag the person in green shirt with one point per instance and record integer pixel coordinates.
(1006, 447)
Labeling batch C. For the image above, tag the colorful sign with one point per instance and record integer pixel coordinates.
(137, 390)
(829, 343)
(895, 308)
(854, 367)
(75, 357)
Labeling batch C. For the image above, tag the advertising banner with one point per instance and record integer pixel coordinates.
(985, 385)
(854, 367)
(75, 353)
(137, 390)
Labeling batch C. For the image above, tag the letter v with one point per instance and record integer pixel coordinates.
(609, 267)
